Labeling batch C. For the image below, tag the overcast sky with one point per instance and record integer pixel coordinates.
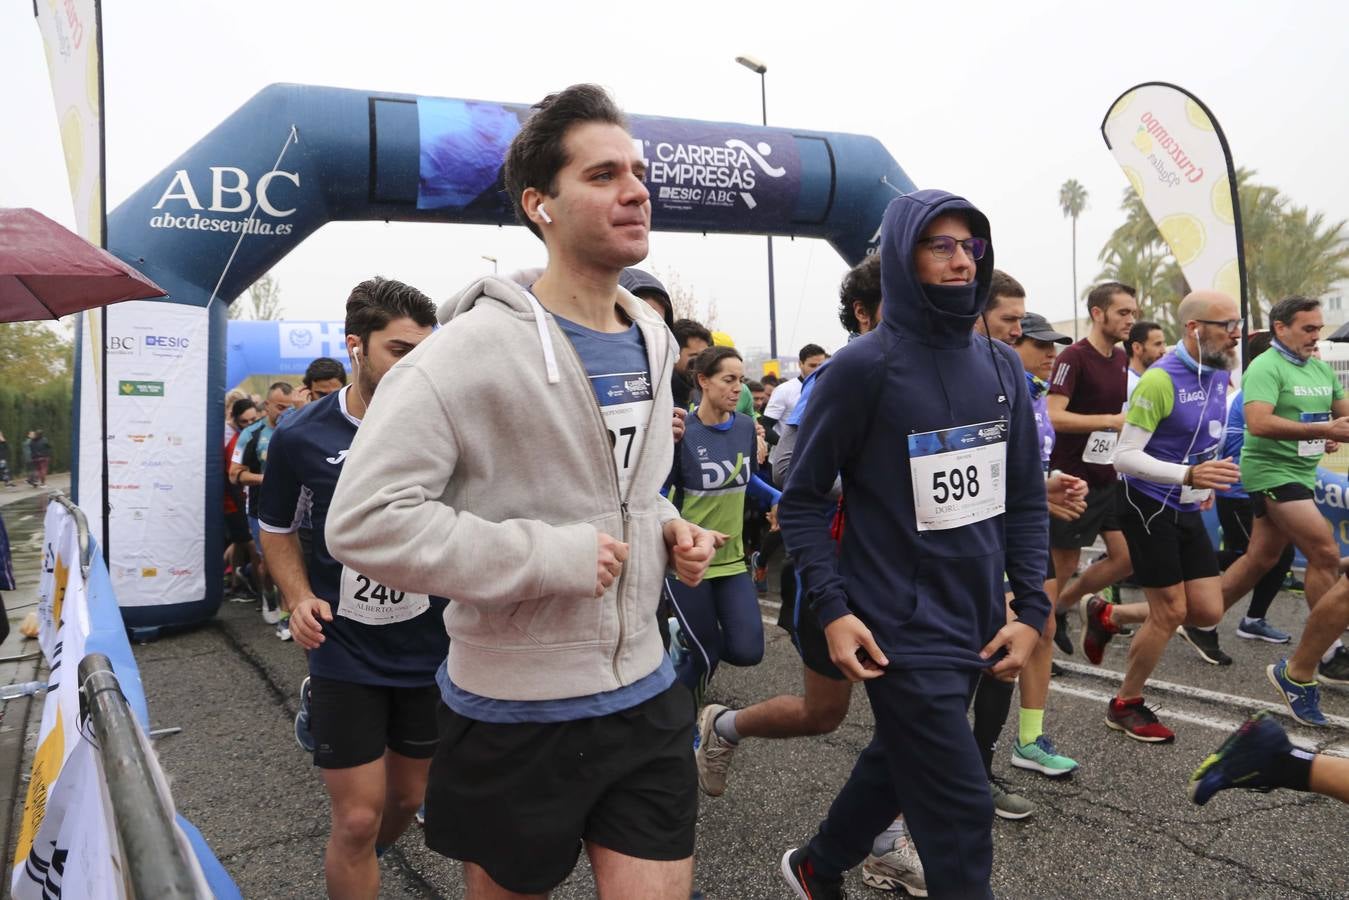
(998, 101)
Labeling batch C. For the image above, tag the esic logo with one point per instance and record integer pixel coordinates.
(165, 341)
(301, 338)
(229, 193)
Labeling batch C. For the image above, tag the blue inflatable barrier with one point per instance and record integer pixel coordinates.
(282, 347)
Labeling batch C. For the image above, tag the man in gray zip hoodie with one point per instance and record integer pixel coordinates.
(561, 721)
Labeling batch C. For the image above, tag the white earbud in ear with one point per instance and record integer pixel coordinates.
(543, 214)
(356, 352)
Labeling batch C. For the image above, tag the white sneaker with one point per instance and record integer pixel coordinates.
(283, 628)
(900, 868)
(271, 609)
(714, 752)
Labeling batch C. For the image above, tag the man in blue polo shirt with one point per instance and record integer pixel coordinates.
(371, 696)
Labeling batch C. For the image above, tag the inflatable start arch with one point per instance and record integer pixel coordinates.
(295, 157)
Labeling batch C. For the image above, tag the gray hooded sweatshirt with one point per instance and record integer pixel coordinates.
(483, 471)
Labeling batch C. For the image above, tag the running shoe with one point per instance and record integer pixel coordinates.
(760, 573)
(1007, 805)
(1040, 756)
(714, 752)
(898, 869)
(1138, 721)
(1304, 700)
(1205, 643)
(799, 873)
(271, 608)
(303, 736)
(1243, 760)
(283, 628)
(420, 815)
(1261, 630)
(1097, 632)
(1337, 670)
(1061, 637)
(1055, 670)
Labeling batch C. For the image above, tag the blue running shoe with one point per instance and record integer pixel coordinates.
(1304, 700)
(1243, 760)
(1260, 630)
(303, 736)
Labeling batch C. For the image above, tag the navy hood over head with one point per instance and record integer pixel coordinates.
(931, 598)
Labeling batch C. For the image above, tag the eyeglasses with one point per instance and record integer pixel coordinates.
(1231, 326)
(943, 246)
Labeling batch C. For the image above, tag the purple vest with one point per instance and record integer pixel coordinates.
(1194, 430)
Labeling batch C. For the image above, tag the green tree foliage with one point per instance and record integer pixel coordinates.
(46, 407)
(1289, 250)
(36, 361)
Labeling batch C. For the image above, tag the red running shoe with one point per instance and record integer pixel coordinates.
(1137, 721)
(1098, 631)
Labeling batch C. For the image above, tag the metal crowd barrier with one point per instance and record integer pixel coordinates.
(154, 859)
(86, 548)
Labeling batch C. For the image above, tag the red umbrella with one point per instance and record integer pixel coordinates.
(48, 271)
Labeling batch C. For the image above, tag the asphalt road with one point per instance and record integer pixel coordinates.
(1121, 827)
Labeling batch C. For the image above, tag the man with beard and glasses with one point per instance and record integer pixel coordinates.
(1167, 454)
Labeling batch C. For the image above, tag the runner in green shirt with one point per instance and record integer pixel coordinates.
(1294, 404)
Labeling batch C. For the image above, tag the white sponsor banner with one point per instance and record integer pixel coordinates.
(1174, 155)
(70, 32)
(156, 443)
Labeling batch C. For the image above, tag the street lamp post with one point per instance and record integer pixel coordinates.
(493, 261)
(760, 68)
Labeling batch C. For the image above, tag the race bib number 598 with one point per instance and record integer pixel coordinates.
(958, 475)
(367, 601)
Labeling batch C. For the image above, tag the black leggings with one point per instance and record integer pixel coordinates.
(1234, 515)
(992, 703)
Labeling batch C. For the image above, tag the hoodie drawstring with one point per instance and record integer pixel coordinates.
(545, 338)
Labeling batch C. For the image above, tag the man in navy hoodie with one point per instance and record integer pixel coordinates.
(932, 429)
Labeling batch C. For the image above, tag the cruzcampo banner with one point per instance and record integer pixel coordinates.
(70, 31)
(1176, 158)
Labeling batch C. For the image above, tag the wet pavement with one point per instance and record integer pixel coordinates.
(1121, 827)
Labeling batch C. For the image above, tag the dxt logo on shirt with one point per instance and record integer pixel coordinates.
(724, 474)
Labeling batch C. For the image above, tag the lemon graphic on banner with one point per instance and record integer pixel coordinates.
(1222, 201)
(1198, 118)
(72, 140)
(1142, 141)
(59, 592)
(1135, 180)
(47, 763)
(1184, 234)
(1120, 105)
(1228, 279)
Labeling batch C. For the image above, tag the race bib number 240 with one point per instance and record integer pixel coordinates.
(367, 601)
(958, 475)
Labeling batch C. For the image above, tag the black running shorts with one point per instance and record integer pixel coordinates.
(519, 799)
(1100, 516)
(1167, 546)
(1283, 493)
(799, 621)
(236, 529)
(352, 723)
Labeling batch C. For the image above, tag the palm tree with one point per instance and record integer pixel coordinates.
(1073, 200)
